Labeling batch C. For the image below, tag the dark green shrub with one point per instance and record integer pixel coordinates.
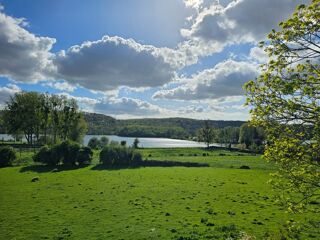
(104, 141)
(7, 156)
(119, 155)
(94, 143)
(43, 155)
(69, 152)
(136, 157)
(84, 156)
(123, 143)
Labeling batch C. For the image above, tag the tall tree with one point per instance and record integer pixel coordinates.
(22, 114)
(286, 102)
(206, 134)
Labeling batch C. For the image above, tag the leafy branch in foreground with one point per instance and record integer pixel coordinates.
(286, 103)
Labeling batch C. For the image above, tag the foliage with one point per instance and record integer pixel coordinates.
(94, 143)
(251, 136)
(7, 156)
(179, 128)
(104, 141)
(206, 134)
(118, 155)
(285, 100)
(43, 118)
(67, 153)
(84, 156)
(135, 143)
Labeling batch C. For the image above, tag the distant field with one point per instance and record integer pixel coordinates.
(213, 202)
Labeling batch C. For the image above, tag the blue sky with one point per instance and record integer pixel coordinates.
(138, 58)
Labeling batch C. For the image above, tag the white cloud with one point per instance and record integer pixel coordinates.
(112, 62)
(241, 21)
(126, 106)
(257, 54)
(24, 56)
(6, 92)
(224, 80)
(63, 86)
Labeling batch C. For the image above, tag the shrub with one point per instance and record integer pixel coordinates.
(84, 156)
(119, 155)
(43, 156)
(7, 156)
(94, 143)
(123, 143)
(104, 141)
(69, 152)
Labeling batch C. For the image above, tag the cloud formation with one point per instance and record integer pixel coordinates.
(241, 21)
(224, 80)
(6, 92)
(24, 56)
(112, 62)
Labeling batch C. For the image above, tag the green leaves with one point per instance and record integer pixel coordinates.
(285, 100)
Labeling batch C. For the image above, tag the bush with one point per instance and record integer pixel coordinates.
(119, 155)
(44, 156)
(104, 141)
(94, 143)
(67, 153)
(84, 156)
(7, 156)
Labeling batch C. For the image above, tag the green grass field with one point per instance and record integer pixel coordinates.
(213, 202)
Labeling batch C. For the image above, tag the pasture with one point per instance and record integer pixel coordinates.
(216, 202)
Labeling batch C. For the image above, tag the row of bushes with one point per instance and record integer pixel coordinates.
(119, 155)
(72, 154)
(67, 153)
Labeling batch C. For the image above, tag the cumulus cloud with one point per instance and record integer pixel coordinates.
(6, 92)
(257, 54)
(112, 62)
(63, 86)
(224, 80)
(23, 56)
(241, 21)
(126, 106)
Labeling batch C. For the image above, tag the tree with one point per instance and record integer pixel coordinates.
(251, 135)
(285, 101)
(104, 141)
(22, 114)
(206, 134)
(135, 143)
(94, 143)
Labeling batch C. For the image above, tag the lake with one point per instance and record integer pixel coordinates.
(150, 142)
(144, 142)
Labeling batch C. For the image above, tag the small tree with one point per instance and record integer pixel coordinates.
(7, 156)
(104, 141)
(206, 134)
(136, 143)
(94, 143)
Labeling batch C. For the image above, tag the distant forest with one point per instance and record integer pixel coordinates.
(180, 128)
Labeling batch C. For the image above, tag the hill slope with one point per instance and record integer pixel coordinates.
(150, 127)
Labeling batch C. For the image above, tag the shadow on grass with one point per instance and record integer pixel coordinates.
(44, 168)
(150, 163)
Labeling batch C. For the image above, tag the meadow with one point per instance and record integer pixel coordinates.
(220, 201)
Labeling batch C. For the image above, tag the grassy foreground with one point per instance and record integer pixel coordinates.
(213, 202)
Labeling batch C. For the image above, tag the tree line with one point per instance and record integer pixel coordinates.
(251, 136)
(43, 118)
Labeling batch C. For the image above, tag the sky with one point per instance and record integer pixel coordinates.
(138, 58)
